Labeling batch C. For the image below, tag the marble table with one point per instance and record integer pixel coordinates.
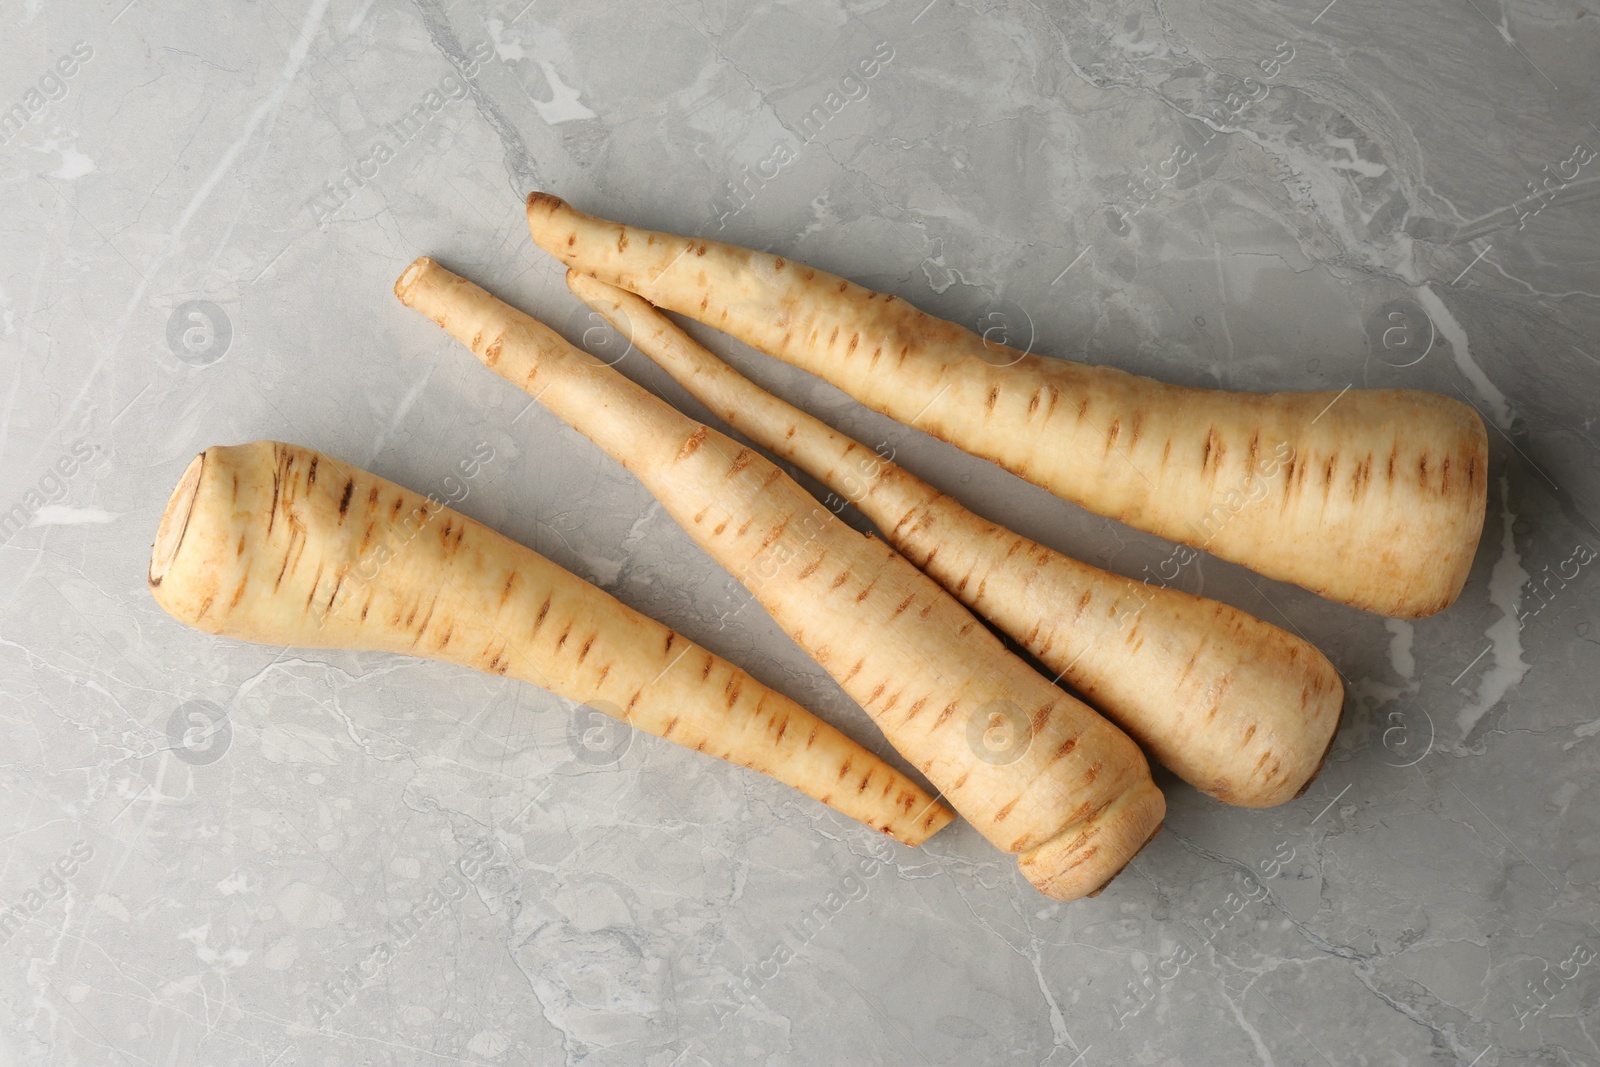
(217, 853)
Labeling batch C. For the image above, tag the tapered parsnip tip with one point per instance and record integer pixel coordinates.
(175, 520)
(409, 278)
(592, 290)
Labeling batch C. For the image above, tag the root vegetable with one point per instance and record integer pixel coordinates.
(1237, 708)
(281, 545)
(1374, 498)
(1068, 790)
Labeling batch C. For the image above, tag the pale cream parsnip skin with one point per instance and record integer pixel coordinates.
(281, 545)
(1076, 800)
(1379, 503)
(1237, 708)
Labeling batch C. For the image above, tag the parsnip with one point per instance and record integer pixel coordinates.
(1238, 708)
(277, 544)
(1374, 497)
(1073, 795)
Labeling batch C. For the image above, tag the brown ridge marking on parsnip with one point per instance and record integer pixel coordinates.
(1000, 816)
(449, 631)
(637, 693)
(671, 723)
(1359, 479)
(1065, 747)
(1033, 401)
(584, 651)
(694, 442)
(850, 348)
(1444, 474)
(1111, 434)
(741, 460)
(1327, 472)
(1083, 407)
(505, 592)
(854, 670)
(862, 788)
(811, 568)
(283, 569)
(491, 354)
(434, 603)
(394, 513)
(1213, 446)
(735, 684)
(238, 594)
(962, 584)
(844, 576)
(876, 693)
(314, 581)
(667, 646)
(744, 527)
(1041, 717)
(204, 608)
(911, 713)
(1083, 602)
(904, 604)
(846, 768)
(544, 609)
(344, 501)
(337, 585)
(775, 533)
(238, 551)
(1092, 773)
(1422, 468)
(812, 736)
(783, 727)
(949, 710)
(994, 395)
(272, 508)
(311, 475)
(1248, 734)
(562, 640)
(719, 527)
(1133, 430)
(1250, 454)
(1394, 455)
(705, 671)
(771, 477)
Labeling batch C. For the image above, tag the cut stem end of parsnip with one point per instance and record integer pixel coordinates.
(403, 284)
(175, 520)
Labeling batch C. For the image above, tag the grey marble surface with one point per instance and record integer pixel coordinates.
(226, 854)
